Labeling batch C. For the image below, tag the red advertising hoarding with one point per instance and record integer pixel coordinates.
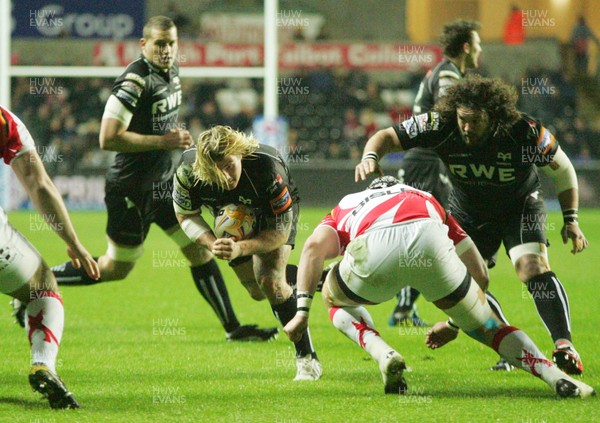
(369, 56)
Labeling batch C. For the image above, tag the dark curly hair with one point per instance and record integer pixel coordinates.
(455, 34)
(496, 98)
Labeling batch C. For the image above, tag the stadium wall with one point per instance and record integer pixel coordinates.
(323, 184)
(345, 19)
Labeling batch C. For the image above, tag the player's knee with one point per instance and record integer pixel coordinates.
(530, 266)
(20, 263)
(196, 254)
(482, 277)
(326, 295)
(43, 279)
(123, 253)
(530, 259)
(326, 290)
(484, 282)
(269, 272)
(491, 326)
(114, 270)
(253, 289)
(487, 331)
(121, 272)
(472, 313)
(257, 295)
(275, 289)
(268, 286)
(119, 260)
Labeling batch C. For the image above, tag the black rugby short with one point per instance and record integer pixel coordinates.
(130, 215)
(426, 172)
(525, 221)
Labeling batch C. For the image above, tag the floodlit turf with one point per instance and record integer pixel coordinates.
(148, 349)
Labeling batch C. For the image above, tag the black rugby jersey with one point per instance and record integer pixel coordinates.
(265, 185)
(434, 85)
(495, 176)
(154, 97)
(432, 88)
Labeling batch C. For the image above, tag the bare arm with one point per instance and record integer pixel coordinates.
(323, 244)
(265, 241)
(48, 202)
(384, 141)
(196, 228)
(468, 253)
(562, 173)
(115, 137)
(476, 266)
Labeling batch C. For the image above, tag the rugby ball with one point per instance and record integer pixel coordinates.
(235, 221)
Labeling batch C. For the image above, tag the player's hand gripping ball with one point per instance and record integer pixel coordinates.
(235, 221)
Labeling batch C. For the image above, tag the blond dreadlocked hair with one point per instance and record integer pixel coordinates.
(214, 145)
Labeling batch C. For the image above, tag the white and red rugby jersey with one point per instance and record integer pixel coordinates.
(374, 209)
(15, 139)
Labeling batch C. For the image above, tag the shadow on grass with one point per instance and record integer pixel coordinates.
(29, 403)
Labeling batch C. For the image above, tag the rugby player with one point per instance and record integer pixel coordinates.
(493, 152)
(421, 167)
(227, 166)
(24, 275)
(390, 235)
(140, 124)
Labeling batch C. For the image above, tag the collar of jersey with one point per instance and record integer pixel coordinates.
(154, 68)
(455, 67)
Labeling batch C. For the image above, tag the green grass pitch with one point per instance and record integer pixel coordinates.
(148, 349)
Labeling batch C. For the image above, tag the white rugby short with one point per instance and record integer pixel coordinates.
(377, 264)
(19, 260)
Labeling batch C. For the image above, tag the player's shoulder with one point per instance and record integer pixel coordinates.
(447, 69)
(267, 151)
(136, 72)
(423, 123)
(5, 117)
(6, 122)
(266, 155)
(526, 127)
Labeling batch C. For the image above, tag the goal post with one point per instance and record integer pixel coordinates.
(268, 72)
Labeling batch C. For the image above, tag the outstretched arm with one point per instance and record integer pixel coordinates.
(562, 173)
(383, 142)
(468, 253)
(48, 202)
(114, 135)
(323, 244)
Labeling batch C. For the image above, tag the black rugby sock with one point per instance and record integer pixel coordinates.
(496, 307)
(291, 277)
(552, 304)
(210, 283)
(285, 312)
(406, 299)
(67, 274)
